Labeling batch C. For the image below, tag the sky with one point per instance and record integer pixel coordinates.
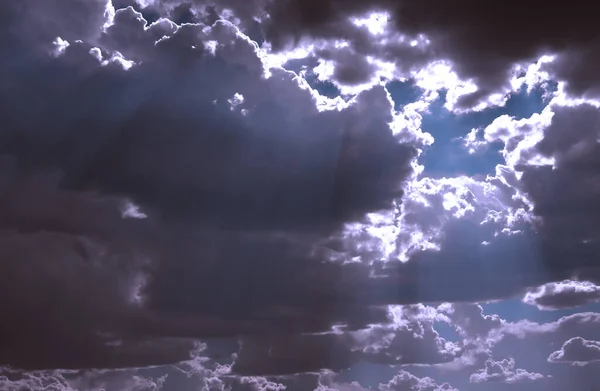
(269, 195)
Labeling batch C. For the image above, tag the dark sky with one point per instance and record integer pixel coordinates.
(299, 195)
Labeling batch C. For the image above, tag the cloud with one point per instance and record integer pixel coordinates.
(402, 381)
(35, 382)
(259, 384)
(410, 37)
(411, 340)
(470, 320)
(554, 155)
(72, 255)
(106, 380)
(564, 294)
(503, 371)
(327, 382)
(337, 185)
(454, 36)
(292, 354)
(577, 350)
(582, 323)
(232, 193)
(533, 343)
(348, 162)
(162, 184)
(405, 381)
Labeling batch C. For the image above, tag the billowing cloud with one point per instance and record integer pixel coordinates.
(451, 34)
(405, 381)
(107, 380)
(327, 382)
(470, 320)
(412, 339)
(176, 202)
(259, 384)
(554, 154)
(564, 294)
(577, 350)
(503, 371)
(402, 381)
(245, 189)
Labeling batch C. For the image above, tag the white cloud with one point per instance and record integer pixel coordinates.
(503, 371)
(405, 381)
(564, 294)
(578, 351)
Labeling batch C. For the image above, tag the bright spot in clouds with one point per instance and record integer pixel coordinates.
(375, 22)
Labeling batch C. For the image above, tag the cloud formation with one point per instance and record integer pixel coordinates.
(405, 381)
(577, 350)
(503, 371)
(237, 194)
(564, 294)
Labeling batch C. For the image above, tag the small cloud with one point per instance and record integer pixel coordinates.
(577, 351)
(503, 371)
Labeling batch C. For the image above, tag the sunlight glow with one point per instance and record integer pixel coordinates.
(375, 22)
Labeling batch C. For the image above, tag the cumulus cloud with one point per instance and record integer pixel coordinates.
(302, 169)
(577, 350)
(259, 384)
(411, 37)
(503, 371)
(163, 182)
(405, 381)
(246, 189)
(553, 154)
(106, 380)
(564, 294)
(455, 36)
(327, 382)
(402, 381)
(411, 340)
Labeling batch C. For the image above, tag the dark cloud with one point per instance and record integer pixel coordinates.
(72, 255)
(412, 339)
(261, 156)
(239, 195)
(474, 37)
(69, 19)
(201, 195)
(351, 68)
(293, 354)
(555, 154)
(564, 194)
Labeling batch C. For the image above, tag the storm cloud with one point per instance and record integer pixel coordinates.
(234, 194)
